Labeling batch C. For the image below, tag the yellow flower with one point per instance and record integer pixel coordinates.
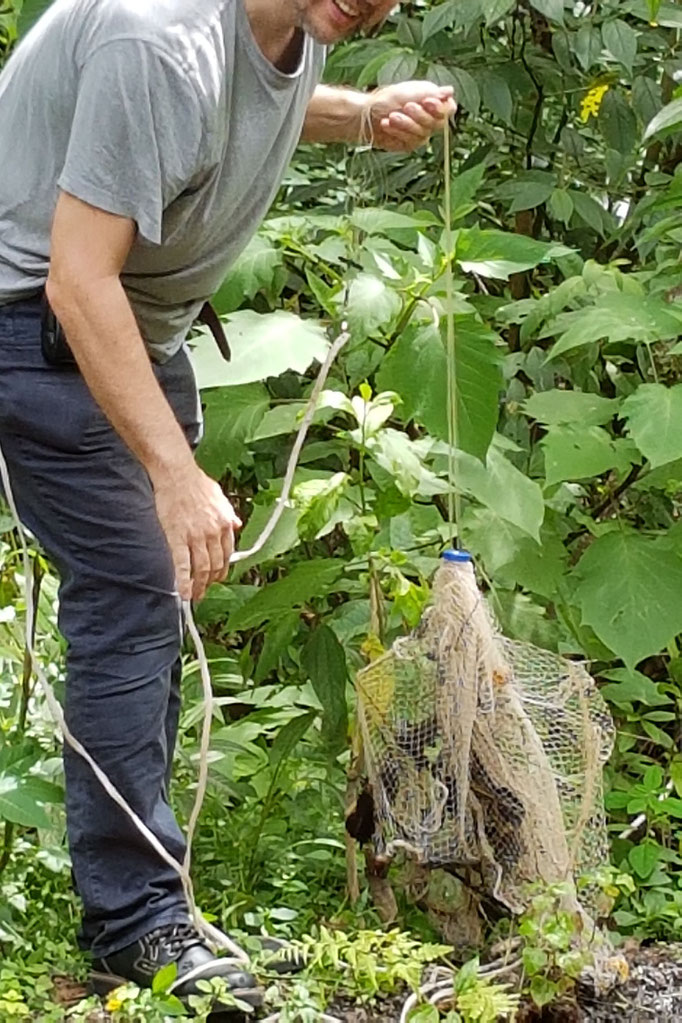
(592, 102)
(113, 1003)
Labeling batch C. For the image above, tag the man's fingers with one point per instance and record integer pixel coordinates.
(422, 116)
(399, 122)
(183, 570)
(219, 562)
(201, 569)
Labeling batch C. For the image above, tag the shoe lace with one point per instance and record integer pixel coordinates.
(176, 938)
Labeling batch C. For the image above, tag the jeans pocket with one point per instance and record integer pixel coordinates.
(50, 407)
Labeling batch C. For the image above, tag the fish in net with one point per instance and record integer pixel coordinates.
(484, 755)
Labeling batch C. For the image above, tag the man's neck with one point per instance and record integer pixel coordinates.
(274, 29)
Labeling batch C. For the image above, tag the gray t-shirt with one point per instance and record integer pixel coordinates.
(164, 111)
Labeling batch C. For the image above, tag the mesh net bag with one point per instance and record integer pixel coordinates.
(484, 755)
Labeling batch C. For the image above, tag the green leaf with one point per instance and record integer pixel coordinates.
(617, 123)
(579, 452)
(614, 318)
(552, 9)
(496, 96)
(629, 591)
(527, 192)
(278, 637)
(560, 205)
(644, 858)
(556, 406)
(632, 687)
(467, 92)
(165, 978)
(543, 990)
(283, 539)
(324, 660)
(231, 415)
(373, 220)
(254, 270)
(263, 345)
(416, 367)
(437, 18)
(288, 737)
(424, 1014)
(370, 305)
(501, 487)
(654, 415)
(18, 803)
(621, 41)
(31, 10)
(668, 119)
(306, 581)
(495, 10)
(498, 253)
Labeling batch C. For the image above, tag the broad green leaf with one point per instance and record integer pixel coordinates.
(646, 98)
(579, 452)
(654, 415)
(231, 415)
(496, 96)
(560, 205)
(370, 305)
(632, 687)
(499, 254)
(306, 581)
(643, 858)
(283, 539)
(416, 367)
(587, 46)
(165, 978)
(552, 9)
(399, 68)
(614, 318)
(592, 212)
(288, 737)
(31, 10)
(324, 660)
(621, 41)
(263, 345)
(500, 486)
(556, 406)
(424, 1014)
(618, 123)
(382, 221)
(278, 637)
(630, 592)
(668, 119)
(18, 804)
(437, 18)
(467, 92)
(254, 269)
(528, 192)
(513, 558)
(496, 9)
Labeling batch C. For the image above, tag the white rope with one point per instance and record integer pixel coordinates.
(211, 934)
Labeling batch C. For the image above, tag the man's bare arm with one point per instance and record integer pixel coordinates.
(89, 250)
(398, 117)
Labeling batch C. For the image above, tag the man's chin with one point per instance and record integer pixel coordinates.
(329, 36)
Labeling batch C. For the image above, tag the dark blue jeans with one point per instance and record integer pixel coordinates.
(90, 504)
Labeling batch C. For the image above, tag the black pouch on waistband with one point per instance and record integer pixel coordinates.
(53, 343)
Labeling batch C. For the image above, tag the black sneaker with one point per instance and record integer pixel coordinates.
(175, 943)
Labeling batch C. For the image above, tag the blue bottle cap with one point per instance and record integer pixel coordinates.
(460, 557)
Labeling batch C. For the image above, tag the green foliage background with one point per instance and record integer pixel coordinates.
(568, 228)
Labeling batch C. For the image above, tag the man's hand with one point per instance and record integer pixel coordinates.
(404, 116)
(199, 523)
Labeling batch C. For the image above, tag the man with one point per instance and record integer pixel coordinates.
(141, 144)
